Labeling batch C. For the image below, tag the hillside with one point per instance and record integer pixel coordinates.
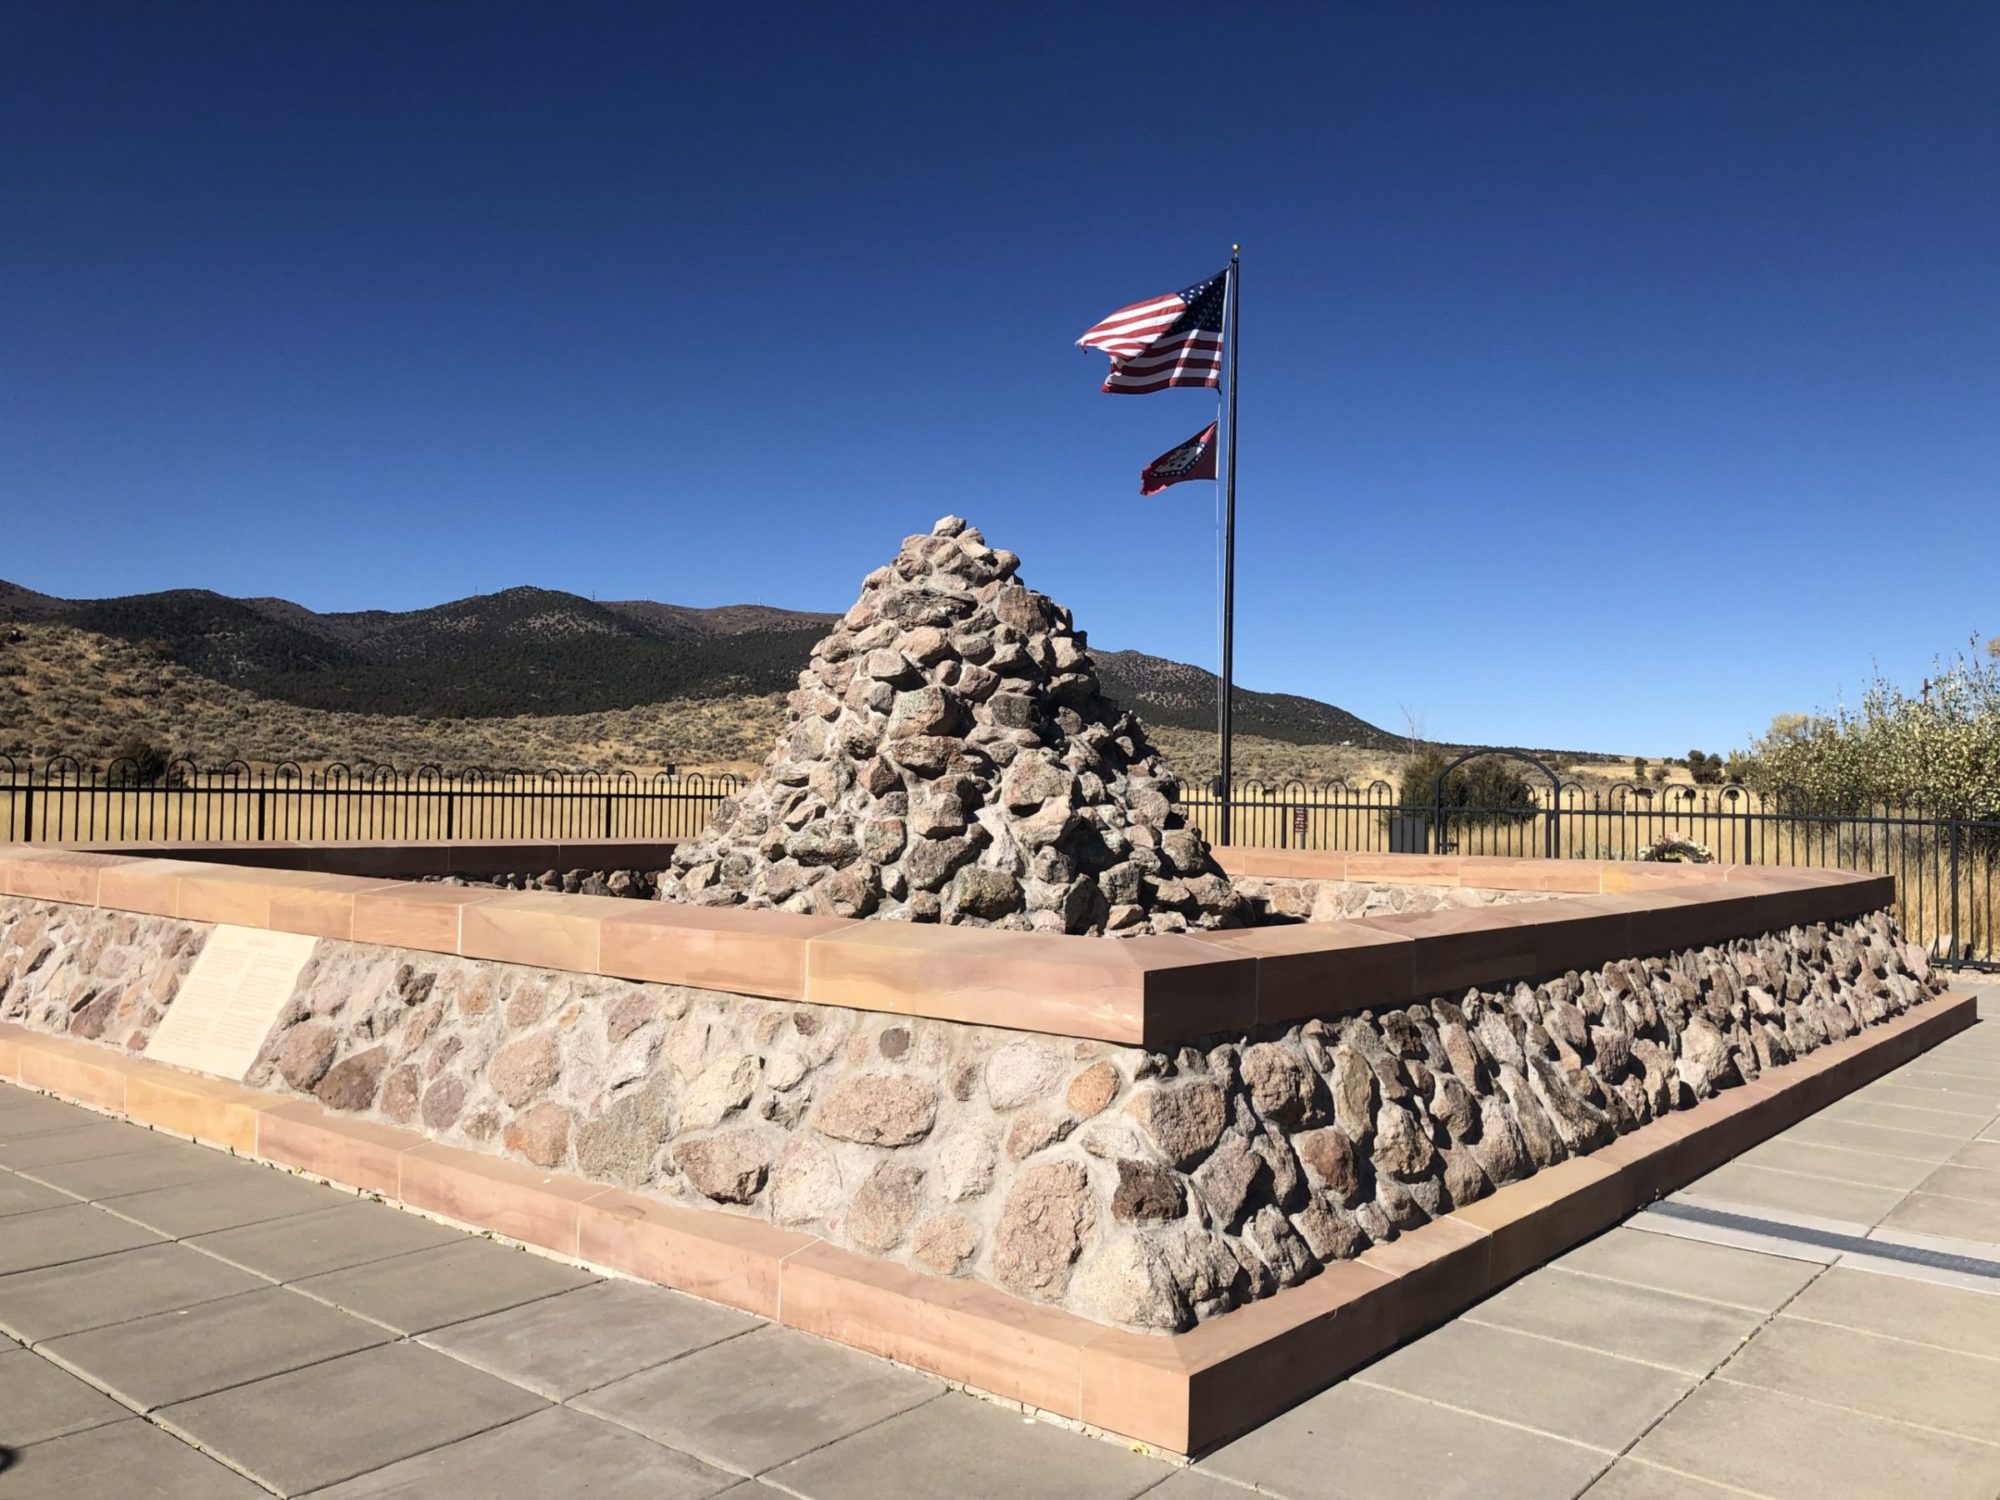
(529, 653)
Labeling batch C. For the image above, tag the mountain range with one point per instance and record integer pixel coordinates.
(534, 651)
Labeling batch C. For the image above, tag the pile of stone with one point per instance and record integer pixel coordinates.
(634, 885)
(949, 758)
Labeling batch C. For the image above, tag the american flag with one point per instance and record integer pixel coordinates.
(1163, 341)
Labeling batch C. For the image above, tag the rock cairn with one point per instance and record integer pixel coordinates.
(949, 758)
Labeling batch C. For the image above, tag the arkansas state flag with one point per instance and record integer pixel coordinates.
(1194, 459)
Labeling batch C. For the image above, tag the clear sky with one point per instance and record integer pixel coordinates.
(1614, 375)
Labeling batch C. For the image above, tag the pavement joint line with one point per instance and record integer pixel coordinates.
(404, 1335)
(1893, 1338)
(1466, 1411)
(829, 1443)
(1741, 1219)
(1869, 1125)
(1724, 1378)
(1661, 1290)
(1734, 1489)
(1549, 1338)
(1745, 1161)
(1914, 1109)
(1630, 1449)
(1829, 1146)
(1888, 1081)
(1931, 1192)
(727, 1338)
(1992, 1080)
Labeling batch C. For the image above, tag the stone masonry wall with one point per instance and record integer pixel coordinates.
(1147, 1189)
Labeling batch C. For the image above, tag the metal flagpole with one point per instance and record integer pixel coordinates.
(1226, 707)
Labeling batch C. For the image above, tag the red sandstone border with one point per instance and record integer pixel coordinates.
(1185, 1393)
(1144, 991)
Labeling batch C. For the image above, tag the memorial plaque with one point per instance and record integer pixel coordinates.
(230, 1000)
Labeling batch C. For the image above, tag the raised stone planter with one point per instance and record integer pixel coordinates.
(1146, 1136)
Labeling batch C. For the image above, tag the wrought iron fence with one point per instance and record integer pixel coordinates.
(1947, 868)
(64, 801)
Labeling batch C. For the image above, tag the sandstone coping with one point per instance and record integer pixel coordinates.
(1184, 1393)
(1144, 991)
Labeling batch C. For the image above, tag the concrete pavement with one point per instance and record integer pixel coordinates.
(1819, 1317)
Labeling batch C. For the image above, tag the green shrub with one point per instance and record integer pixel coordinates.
(136, 760)
(1488, 789)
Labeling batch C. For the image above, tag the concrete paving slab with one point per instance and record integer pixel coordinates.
(557, 1452)
(1960, 1218)
(1580, 1394)
(1855, 1136)
(1902, 1117)
(247, 1196)
(1886, 1377)
(56, 1236)
(174, 1165)
(1356, 1442)
(1898, 1089)
(1762, 1188)
(23, 1195)
(188, 1352)
(1975, 1183)
(115, 1460)
(1835, 1163)
(1773, 1444)
(351, 1232)
(428, 1289)
(1982, 1154)
(94, 1136)
(562, 1346)
(1628, 1479)
(330, 1422)
(45, 1304)
(760, 1400)
(970, 1450)
(39, 1402)
(23, 1114)
(1761, 1283)
(1638, 1322)
(1190, 1484)
(1970, 1081)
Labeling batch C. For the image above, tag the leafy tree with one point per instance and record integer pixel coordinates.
(1705, 769)
(1938, 748)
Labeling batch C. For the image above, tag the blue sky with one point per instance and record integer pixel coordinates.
(1614, 376)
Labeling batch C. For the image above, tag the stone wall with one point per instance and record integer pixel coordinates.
(1277, 898)
(1148, 1189)
(104, 976)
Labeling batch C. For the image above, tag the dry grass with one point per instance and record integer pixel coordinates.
(66, 691)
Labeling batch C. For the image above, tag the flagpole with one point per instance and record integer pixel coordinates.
(1226, 706)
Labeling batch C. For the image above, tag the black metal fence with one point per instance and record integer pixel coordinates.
(65, 801)
(1947, 868)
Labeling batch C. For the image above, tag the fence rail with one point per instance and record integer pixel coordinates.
(1947, 868)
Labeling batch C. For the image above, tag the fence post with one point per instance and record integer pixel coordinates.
(28, 808)
(607, 815)
(1955, 955)
(261, 796)
(451, 814)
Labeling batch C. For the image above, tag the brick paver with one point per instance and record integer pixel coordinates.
(223, 1329)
